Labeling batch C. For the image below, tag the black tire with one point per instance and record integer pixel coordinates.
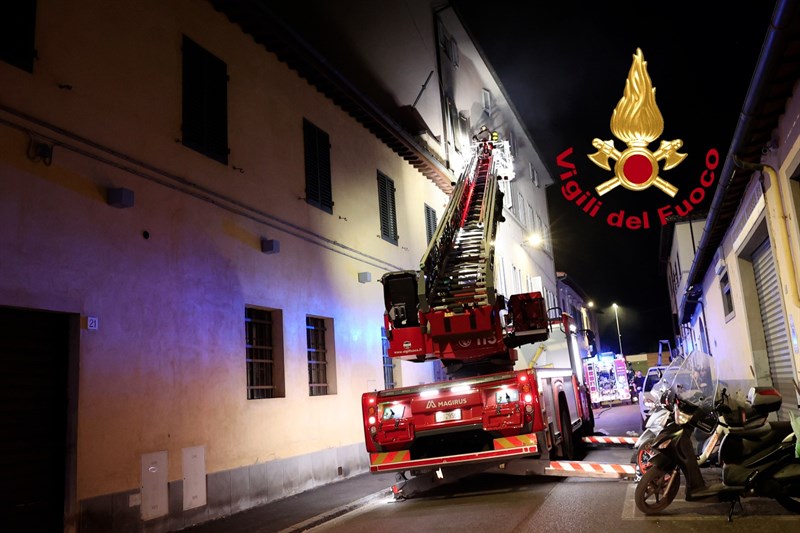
(567, 438)
(790, 503)
(654, 492)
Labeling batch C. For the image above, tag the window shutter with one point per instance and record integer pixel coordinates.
(430, 222)
(317, 150)
(205, 102)
(17, 34)
(386, 206)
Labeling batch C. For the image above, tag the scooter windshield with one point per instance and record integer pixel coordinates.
(695, 380)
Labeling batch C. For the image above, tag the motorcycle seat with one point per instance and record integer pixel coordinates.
(741, 445)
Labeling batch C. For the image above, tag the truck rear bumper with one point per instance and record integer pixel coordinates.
(504, 448)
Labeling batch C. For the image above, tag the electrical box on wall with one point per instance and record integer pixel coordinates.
(154, 485)
(194, 477)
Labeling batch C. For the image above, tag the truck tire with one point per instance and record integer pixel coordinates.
(567, 438)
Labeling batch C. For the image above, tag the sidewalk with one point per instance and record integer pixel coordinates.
(305, 510)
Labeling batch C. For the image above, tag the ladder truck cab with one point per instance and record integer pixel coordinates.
(496, 406)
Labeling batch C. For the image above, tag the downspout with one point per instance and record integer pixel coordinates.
(782, 16)
(775, 197)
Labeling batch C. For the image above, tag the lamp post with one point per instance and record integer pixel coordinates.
(616, 317)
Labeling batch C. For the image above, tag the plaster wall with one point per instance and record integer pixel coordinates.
(166, 368)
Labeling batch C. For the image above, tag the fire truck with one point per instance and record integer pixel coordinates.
(607, 378)
(515, 392)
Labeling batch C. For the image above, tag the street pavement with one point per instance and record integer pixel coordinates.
(320, 505)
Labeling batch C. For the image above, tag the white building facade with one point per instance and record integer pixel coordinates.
(194, 217)
(739, 298)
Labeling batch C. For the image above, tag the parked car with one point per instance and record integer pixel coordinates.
(646, 401)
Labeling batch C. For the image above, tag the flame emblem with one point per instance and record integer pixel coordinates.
(637, 122)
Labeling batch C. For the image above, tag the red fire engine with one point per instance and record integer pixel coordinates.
(495, 408)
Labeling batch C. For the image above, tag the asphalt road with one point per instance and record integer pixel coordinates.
(497, 503)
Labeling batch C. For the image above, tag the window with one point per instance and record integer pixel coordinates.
(205, 102)
(531, 220)
(387, 209)
(317, 147)
(388, 365)
(487, 101)
(727, 298)
(534, 175)
(440, 372)
(519, 209)
(448, 45)
(505, 188)
(500, 277)
(321, 370)
(17, 31)
(263, 353)
(430, 222)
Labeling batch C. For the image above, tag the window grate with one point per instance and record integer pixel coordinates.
(259, 356)
(317, 357)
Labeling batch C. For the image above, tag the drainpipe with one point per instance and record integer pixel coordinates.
(775, 198)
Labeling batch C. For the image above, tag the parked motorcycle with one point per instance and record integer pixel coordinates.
(759, 462)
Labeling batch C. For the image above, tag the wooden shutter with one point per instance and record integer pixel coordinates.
(387, 209)
(205, 102)
(17, 32)
(317, 148)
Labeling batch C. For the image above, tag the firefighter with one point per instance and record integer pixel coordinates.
(483, 135)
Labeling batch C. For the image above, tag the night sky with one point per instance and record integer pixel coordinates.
(564, 66)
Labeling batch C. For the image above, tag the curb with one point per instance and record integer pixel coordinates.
(342, 510)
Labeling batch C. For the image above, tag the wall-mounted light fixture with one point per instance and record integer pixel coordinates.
(270, 246)
(119, 197)
(364, 277)
(40, 151)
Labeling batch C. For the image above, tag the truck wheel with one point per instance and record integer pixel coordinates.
(567, 438)
(657, 489)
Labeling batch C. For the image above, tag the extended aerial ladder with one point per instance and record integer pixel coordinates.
(449, 309)
(494, 409)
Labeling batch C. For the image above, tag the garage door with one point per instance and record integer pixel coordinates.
(774, 320)
(33, 414)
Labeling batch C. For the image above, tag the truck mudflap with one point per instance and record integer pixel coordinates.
(504, 448)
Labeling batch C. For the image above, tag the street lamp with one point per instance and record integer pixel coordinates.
(616, 316)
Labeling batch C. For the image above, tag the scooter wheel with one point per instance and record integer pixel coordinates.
(657, 489)
(643, 456)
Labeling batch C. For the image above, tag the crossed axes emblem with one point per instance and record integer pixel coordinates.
(639, 157)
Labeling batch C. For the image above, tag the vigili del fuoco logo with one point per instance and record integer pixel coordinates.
(637, 122)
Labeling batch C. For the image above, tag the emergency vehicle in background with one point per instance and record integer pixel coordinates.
(607, 378)
(498, 406)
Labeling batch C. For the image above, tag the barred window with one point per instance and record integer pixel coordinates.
(262, 354)
(320, 357)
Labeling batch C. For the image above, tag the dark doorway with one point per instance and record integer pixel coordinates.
(35, 351)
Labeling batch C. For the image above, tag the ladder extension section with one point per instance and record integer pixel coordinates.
(459, 260)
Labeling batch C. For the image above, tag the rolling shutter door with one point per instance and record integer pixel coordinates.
(773, 319)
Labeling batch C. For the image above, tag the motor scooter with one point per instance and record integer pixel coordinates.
(758, 462)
